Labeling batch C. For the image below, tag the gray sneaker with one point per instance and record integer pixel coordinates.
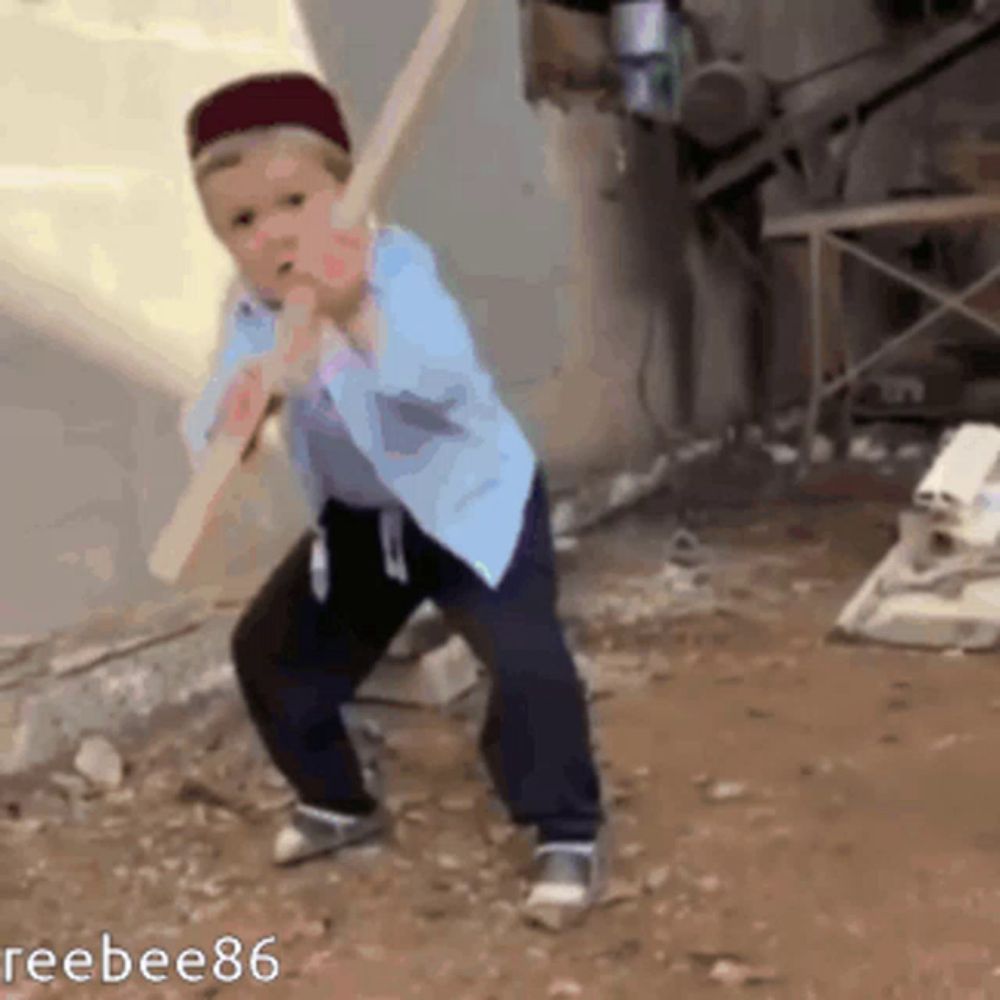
(566, 882)
(312, 832)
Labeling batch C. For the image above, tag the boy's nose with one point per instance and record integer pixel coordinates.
(275, 230)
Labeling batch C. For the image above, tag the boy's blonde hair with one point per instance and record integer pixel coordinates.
(229, 150)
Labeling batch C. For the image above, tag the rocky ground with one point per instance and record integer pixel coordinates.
(791, 818)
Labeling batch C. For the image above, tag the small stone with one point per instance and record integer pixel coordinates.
(458, 803)
(98, 761)
(404, 802)
(728, 972)
(620, 794)
(449, 863)
(782, 454)
(499, 835)
(709, 884)
(552, 918)
(946, 742)
(657, 878)
(372, 731)
(275, 802)
(620, 891)
(564, 518)
(631, 851)
(565, 988)
(726, 791)
(274, 779)
(314, 929)
(566, 544)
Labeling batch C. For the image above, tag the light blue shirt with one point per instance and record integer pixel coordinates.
(340, 468)
(424, 416)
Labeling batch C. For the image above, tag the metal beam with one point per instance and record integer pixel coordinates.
(884, 84)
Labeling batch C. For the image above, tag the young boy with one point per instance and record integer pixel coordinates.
(422, 484)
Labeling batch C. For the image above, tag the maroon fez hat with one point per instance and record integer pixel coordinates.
(262, 100)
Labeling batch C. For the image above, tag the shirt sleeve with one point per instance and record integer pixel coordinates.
(428, 355)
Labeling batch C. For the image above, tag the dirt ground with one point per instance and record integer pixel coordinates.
(790, 817)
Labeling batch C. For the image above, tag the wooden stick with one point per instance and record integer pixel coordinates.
(177, 543)
(408, 94)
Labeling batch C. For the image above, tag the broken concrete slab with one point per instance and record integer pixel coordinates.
(437, 680)
(43, 716)
(939, 585)
(426, 630)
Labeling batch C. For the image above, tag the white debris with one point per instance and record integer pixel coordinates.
(782, 454)
(728, 972)
(939, 586)
(657, 878)
(565, 988)
(911, 453)
(726, 791)
(865, 449)
(822, 449)
(564, 518)
(566, 544)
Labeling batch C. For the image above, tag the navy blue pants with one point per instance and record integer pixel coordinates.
(299, 661)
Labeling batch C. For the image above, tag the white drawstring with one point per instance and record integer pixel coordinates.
(390, 525)
(391, 529)
(319, 567)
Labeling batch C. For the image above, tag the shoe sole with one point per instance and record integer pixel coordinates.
(342, 842)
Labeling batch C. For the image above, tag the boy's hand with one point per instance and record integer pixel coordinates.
(243, 403)
(334, 262)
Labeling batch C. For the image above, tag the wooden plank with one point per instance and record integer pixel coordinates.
(408, 95)
(176, 545)
(906, 211)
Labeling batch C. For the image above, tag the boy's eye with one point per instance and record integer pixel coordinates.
(242, 219)
(295, 200)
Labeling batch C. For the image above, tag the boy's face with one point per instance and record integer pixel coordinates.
(256, 208)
